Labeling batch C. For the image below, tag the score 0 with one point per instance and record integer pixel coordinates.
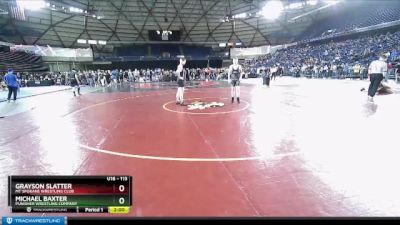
(121, 190)
(121, 200)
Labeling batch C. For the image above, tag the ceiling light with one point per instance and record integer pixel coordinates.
(272, 10)
(312, 2)
(240, 16)
(31, 5)
(296, 5)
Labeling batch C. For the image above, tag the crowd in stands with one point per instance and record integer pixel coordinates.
(107, 77)
(336, 59)
(354, 15)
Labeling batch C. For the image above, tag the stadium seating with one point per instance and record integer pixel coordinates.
(137, 50)
(21, 62)
(197, 52)
(345, 54)
(356, 15)
(160, 51)
(165, 51)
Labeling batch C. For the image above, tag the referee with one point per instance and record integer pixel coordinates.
(377, 70)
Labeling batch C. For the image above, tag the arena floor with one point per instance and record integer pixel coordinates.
(299, 148)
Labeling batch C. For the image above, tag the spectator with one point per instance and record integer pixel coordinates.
(12, 85)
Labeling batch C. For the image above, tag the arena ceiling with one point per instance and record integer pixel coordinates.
(122, 22)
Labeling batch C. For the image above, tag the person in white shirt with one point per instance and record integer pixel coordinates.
(180, 73)
(334, 70)
(376, 71)
(325, 71)
(315, 70)
(136, 74)
(235, 73)
(130, 75)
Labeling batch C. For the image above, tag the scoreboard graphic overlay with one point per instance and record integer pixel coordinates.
(70, 194)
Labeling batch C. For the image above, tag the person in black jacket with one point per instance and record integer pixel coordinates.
(75, 82)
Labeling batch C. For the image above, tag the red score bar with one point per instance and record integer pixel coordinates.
(102, 189)
(82, 189)
(69, 185)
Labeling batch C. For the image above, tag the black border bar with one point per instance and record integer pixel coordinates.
(9, 190)
(229, 220)
(130, 190)
(77, 179)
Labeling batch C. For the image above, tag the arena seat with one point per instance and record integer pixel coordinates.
(21, 62)
(356, 16)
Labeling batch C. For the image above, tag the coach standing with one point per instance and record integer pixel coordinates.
(377, 71)
(12, 84)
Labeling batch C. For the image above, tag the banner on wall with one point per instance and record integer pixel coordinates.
(4, 43)
(48, 51)
(256, 51)
(246, 52)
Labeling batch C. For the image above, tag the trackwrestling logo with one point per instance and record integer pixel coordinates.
(33, 220)
(204, 105)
